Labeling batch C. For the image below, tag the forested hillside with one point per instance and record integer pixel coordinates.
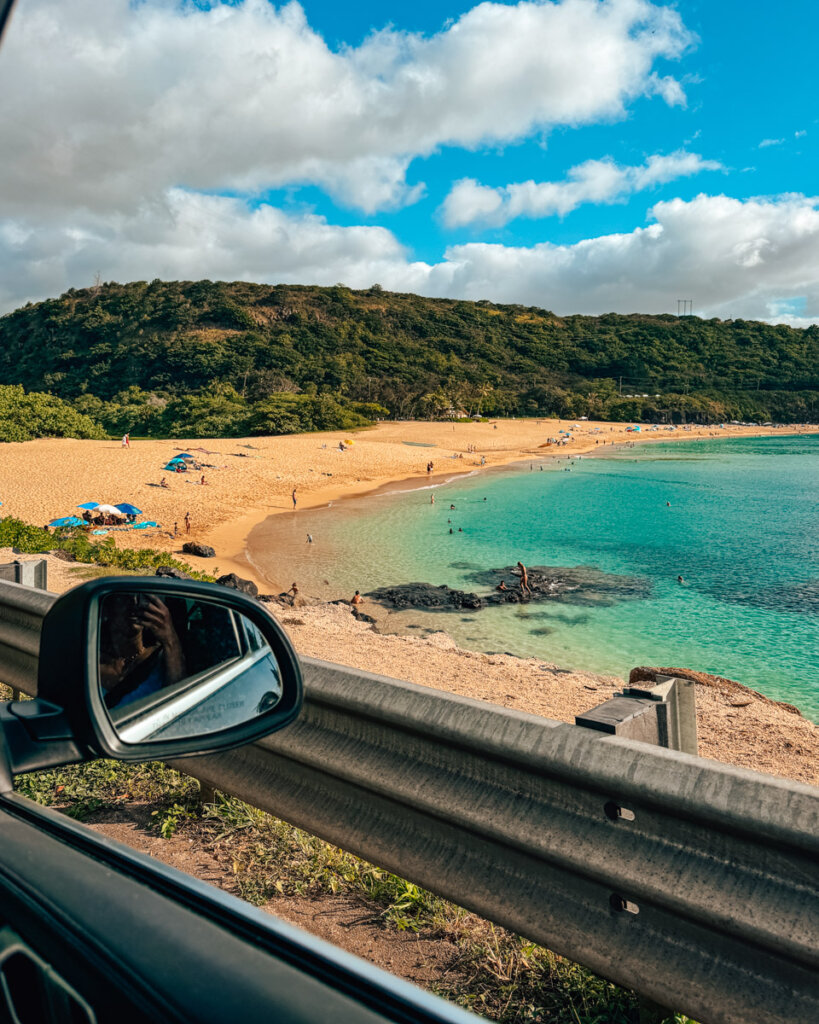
(214, 358)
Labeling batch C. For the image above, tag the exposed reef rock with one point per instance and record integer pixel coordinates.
(425, 595)
(580, 585)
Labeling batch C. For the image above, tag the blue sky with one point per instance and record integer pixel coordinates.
(583, 155)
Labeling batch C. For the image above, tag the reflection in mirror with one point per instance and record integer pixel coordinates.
(172, 667)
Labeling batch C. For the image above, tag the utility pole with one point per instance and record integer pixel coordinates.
(685, 307)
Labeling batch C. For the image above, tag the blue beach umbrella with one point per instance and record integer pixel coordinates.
(68, 521)
(184, 455)
(89, 505)
(129, 510)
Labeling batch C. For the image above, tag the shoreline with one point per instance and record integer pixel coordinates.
(43, 479)
(408, 484)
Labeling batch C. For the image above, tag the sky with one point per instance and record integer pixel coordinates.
(583, 156)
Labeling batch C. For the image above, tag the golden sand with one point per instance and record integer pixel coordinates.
(249, 479)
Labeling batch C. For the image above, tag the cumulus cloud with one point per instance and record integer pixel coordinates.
(594, 181)
(186, 236)
(733, 257)
(109, 101)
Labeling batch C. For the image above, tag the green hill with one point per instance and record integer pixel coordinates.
(212, 358)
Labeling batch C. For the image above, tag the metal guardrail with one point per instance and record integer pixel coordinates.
(692, 882)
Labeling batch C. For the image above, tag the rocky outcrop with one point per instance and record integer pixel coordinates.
(168, 572)
(581, 585)
(237, 583)
(200, 550)
(425, 595)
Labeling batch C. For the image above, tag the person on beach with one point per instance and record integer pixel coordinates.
(501, 586)
(163, 483)
(126, 441)
(176, 529)
(293, 496)
(293, 593)
(203, 481)
(524, 580)
(356, 598)
(309, 538)
(187, 522)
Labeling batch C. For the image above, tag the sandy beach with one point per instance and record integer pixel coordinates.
(249, 479)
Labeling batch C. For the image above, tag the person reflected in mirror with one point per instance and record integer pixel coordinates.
(140, 650)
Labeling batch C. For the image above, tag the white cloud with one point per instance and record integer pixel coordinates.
(770, 142)
(733, 257)
(187, 236)
(800, 134)
(108, 102)
(594, 181)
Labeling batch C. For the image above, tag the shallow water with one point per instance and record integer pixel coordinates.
(742, 529)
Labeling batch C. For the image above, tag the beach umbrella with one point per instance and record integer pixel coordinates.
(129, 510)
(68, 521)
(89, 505)
(184, 455)
(109, 510)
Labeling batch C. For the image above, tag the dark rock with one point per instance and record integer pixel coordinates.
(425, 595)
(579, 585)
(362, 616)
(64, 556)
(237, 583)
(200, 550)
(169, 572)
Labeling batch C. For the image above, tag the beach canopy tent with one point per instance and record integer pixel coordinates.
(176, 462)
(89, 505)
(129, 510)
(68, 521)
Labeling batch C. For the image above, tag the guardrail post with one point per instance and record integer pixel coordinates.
(663, 712)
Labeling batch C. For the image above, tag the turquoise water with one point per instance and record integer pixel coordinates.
(742, 530)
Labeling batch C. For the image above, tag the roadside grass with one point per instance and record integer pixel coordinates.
(495, 973)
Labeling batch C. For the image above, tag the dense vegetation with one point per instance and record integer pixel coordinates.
(205, 358)
(26, 416)
(14, 533)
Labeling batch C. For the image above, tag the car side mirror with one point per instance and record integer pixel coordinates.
(147, 668)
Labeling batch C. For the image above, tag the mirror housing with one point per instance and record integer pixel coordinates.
(69, 673)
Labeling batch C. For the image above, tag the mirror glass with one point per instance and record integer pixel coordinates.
(172, 667)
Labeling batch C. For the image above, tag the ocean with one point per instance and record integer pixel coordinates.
(737, 519)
